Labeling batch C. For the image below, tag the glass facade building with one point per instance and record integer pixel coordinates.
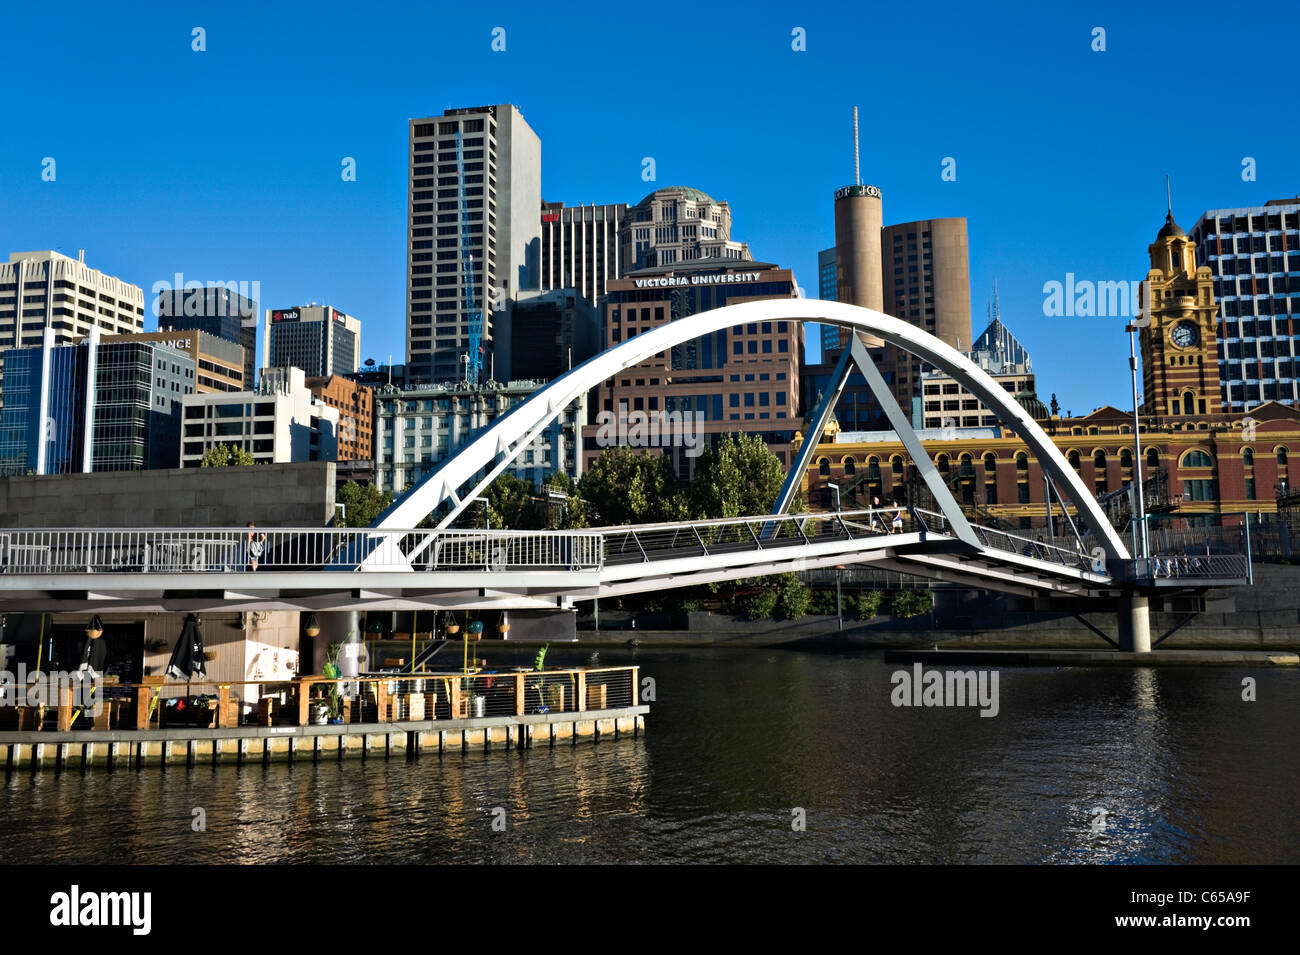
(55, 422)
(1254, 256)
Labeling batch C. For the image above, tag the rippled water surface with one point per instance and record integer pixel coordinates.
(1184, 769)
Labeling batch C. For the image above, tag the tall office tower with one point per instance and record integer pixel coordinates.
(319, 339)
(580, 248)
(219, 310)
(40, 290)
(827, 291)
(502, 160)
(1254, 256)
(677, 224)
(929, 268)
(1002, 358)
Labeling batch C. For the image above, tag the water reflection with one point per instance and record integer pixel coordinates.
(1181, 767)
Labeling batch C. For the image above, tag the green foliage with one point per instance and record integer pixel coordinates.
(738, 478)
(867, 604)
(226, 455)
(911, 603)
(540, 662)
(759, 605)
(823, 603)
(792, 597)
(362, 504)
(625, 487)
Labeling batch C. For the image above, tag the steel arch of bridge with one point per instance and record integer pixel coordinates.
(493, 450)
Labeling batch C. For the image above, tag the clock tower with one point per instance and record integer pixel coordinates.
(1180, 359)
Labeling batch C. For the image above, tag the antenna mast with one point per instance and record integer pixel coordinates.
(857, 175)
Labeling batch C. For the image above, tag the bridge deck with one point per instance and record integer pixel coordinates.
(364, 568)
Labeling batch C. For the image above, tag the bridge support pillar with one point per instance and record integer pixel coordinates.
(1135, 626)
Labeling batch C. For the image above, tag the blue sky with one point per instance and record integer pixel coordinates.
(225, 164)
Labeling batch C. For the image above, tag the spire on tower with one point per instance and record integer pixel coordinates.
(857, 175)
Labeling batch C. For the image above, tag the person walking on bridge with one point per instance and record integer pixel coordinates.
(255, 546)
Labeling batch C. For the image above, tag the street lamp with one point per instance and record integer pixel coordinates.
(839, 601)
(1138, 495)
(835, 492)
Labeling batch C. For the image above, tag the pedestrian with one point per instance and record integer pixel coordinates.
(896, 525)
(256, 544)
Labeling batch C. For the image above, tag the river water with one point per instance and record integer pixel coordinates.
(751, 756)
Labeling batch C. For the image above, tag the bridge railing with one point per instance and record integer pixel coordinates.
(210, 550)
(645, 543)
(1193, 568)
(1014, 543)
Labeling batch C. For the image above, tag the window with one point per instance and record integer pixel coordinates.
(1022, 461)
(1196, 459)
(824, 467)
(1248, 458)
(1022, 493)
(1281, 457)
(1153, 458)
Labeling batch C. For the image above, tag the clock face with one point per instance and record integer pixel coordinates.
(1184, 335)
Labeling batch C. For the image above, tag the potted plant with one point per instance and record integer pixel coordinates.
(539, 666)
(333, 671)
(311, 626)
(95, 629)
(319, 712)
(504, 626)
(453, 627)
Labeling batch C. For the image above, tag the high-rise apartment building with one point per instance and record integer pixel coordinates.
(46, 289)
(580, 248)
(678, 224)
(220, 309)
(498, 243)
(927, 284)
(1253, 255)
(319, 339)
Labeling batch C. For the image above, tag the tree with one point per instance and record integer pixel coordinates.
(226, 455)
(362, 504)
(625, 487)
(738, 478)
(792, 597)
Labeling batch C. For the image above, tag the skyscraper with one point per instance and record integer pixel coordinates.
(928, 265)
(498, 242)
(580, 248)
(218, 310)
(319, 339)
(40, 290)
(1254, 257)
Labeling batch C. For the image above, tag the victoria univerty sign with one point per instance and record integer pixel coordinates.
(716, 279)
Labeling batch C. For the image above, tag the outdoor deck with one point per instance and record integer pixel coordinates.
(377, 716)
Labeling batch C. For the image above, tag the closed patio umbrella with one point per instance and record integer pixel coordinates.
(187, 659)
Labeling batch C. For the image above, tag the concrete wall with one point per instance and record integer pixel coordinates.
(273, 495)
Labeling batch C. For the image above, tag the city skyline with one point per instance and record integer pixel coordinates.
(1047, 142)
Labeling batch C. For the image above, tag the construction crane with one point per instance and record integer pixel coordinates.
(474, 357)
